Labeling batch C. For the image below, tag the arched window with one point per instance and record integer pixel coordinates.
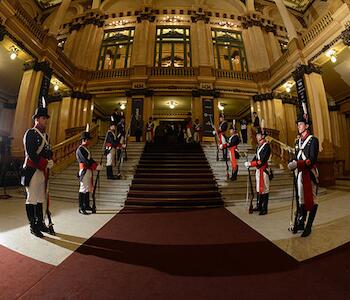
(116, 49)
(173, 47)
(229, 51)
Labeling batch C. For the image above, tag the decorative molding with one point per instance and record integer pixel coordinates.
(200, 16)
(81, 95)
(333, 108)
(263, 97)
(301, 70)
(54, 98)
(139, 92)
(43, 66)
(202, 92)
(146, 15)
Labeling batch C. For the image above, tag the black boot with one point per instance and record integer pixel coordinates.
(265, 201)
(110, 173)
(87, 202)
(82, 204)
(40, 218)
(300, 222)
(258, 203)
(234, 175)
(30, 209)
(310, 220)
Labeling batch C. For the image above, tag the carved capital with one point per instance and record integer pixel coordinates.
(202, 92)
(301, 70)
(263, 97)
(146, 15)
(345, 35)
(200, 16)
(81, 95)
(139, 92)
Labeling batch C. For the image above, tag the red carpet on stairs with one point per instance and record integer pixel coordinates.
(19, 273)
(189, 254)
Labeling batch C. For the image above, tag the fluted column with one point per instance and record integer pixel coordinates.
(59, 17)
(287, 20)
(30, 90)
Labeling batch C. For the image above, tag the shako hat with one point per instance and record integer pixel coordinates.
(41, 111)
(301, 118)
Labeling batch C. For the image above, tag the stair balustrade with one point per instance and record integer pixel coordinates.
(280, 151)
(64, 153)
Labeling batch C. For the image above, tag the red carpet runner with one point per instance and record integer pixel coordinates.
(190, 254)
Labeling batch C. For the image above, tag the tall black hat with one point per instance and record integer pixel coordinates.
(221, 115)
(41, 111)
(86, 134)
(301, 118)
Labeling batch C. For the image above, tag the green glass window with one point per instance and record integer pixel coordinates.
(116, 49)
(173, 47)
(229, 51)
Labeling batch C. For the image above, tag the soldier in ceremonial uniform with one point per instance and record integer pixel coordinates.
(232, 144)
(197, 129)
(86, 167)
(306, 153)
(223, 126)
(120, 140)
(260, 161)
(189, 128)
(110, 149)
(150, 130)
(38, 158)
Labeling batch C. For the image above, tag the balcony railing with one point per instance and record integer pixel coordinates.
(318, 27)
(155, 71)
(233, 75)
(64, 153)
(114, 73)
(28, 21)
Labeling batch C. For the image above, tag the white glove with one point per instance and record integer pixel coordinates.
(99, 167)
(221, 146)
(214, 132)
(292, 165)
(247, 164)
(49, 164)
(124, 146)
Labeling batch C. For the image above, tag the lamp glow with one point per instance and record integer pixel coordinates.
(56, 87)
(333, 59)
(122, 106)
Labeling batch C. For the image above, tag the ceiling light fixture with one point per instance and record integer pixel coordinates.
(122, 106)
(332, 54)
(13, 52)
(220, 106)
(56, 87)
(171, 104)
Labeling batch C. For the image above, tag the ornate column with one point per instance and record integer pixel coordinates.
(272, 44)
(202, 44)
(254, 44)
(287, 20)
(311, 91)
(145, 28)
(35, 83)
(59, 17)
(54, 125)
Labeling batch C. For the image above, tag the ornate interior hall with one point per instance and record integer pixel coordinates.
(145, 88)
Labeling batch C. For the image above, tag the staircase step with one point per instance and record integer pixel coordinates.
(174, 187)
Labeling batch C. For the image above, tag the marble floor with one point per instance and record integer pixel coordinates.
(72, 229)
(331, 227)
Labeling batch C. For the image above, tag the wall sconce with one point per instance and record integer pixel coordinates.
(332, 54)
(288, 86)
(220, 106)
(56, 87)
(13, 52)
(171, 104)
(122, 106)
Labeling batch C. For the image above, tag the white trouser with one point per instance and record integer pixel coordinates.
(149, 136)
(189, 133)
(36, 189)
(85, 184)
(301, 189)
(266, 188)
(110, 157)
(196, 137)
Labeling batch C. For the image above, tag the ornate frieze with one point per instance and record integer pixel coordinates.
(305, 69)
(204, 92)
(139, 92)
(146, 15)
(81, 95)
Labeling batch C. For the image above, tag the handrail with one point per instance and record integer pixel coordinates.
(319, 25)
(280, 150)
(112, 73)
(28, 21)
(64, 152)
(172, 71)
(239, 75)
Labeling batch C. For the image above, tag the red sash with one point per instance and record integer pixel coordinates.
(233, 157)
